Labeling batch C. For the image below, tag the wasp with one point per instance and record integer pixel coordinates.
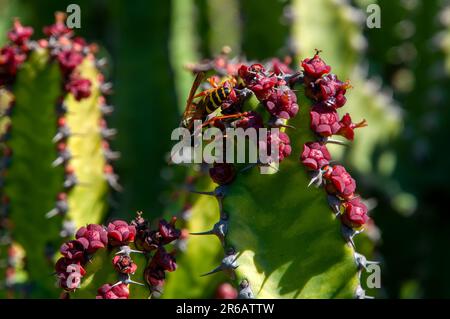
(210, 101)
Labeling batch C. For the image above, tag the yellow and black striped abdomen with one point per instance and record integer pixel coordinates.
(215, 98)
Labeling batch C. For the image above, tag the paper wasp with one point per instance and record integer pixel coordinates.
(211, 100)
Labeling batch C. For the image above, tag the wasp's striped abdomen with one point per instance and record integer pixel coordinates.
(215, 98)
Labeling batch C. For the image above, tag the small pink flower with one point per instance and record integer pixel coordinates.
(315, 67)
(355, 215)
(92, 237)
(168, 232)
(107, 291)
(20, 34)
(340, 182)
(79, 87)
(347, 127)
(124, 264)
(324, 120)
(315, 155)
(120, 233)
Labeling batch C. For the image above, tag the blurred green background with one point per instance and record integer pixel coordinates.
(401, 78)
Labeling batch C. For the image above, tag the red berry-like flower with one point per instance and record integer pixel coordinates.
(168, 232)
(329, 90)
(282, 103)
(315, 67)
(73, 250)
(120, 233)
(124, 264)
(69, 60)
(164, 260)
(324, 120)
(281, 67)
(107, 291)
(222, 173)
(79, 87)
(154, 276)
(355, 215)
(315, 155)
(226, 291)
(59, 28)
(347, 127)
(20, 34)
(92, 237)
(69, 273)
(282, 141)
(10, 60)
(340, 182)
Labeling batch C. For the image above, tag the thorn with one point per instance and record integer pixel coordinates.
(228, 265)
(220, 229)
(126, 250)
(348, 234)
(101, 63)
(106, 88)
(245, 292)
(112, 178)
(361, 293)
(316, 178)
(107, 109)
(335, 204)
(246, 168)
(328, 140)
(362, 261)
(61, 206)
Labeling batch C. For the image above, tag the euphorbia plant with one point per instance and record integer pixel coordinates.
(56, 163)
(278, 236)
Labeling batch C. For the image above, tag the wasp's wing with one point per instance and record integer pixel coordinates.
(192, 111)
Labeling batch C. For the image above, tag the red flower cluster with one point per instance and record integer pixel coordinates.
(328, 93)
(154, 240)
(315, 155)
(279, 100)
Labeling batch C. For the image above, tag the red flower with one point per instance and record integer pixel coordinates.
(168, 231)
(283, 143)
(69, 60)
(124, 264)
(10, 60)
(282, 103)
(154, 276)
(79, 87)
(92, 237)
(107, 291)
(347, 127)
(120, 233)
(324, 120)
(355, 215)
(340, 182)
(222, 173)
(20, 34)
(59, 28)
(164, 260)
(315, 155)
(73, 250)
(226, 291)
(69, 273)
(315, 67)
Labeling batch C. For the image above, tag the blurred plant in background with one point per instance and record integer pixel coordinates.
(400, 75)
